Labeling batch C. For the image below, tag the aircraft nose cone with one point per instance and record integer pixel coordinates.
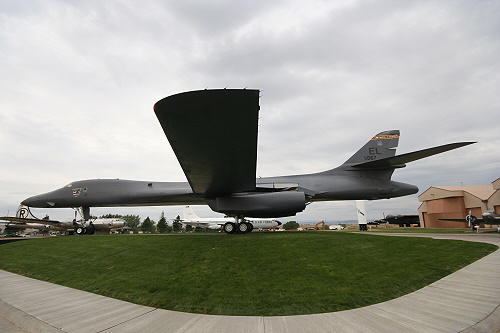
(35, 201)
(28, 202)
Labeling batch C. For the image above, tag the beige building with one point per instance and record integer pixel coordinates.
(456, 202)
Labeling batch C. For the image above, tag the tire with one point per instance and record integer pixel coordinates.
(229, 227)
(250, 227)
(80, 230)
(243, 227)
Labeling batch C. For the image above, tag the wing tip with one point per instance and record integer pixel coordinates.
(462, 144)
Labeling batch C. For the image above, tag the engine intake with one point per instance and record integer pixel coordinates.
(275, 204)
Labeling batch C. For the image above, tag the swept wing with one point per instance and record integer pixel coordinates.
(214, 135)
(461, 220)
(476, 221)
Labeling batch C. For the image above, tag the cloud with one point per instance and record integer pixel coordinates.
(79, 81)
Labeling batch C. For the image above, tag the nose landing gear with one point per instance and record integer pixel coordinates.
(85, 229)
(81, 227)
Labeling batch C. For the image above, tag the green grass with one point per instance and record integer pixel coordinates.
(252, 274)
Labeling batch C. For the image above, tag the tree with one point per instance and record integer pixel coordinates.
(46, 217)
(148, 225)
(132, 221)
(291, 225)
(162, 224)
(177, 225)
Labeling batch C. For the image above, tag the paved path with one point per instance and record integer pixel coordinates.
(465, 301)
(8, 326)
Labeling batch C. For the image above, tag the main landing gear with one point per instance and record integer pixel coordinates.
(239, 226)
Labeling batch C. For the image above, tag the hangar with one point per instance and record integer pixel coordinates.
(456, 202)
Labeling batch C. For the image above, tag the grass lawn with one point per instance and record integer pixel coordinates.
(252, 274)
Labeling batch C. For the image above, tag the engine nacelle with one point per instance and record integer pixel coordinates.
(274, 204)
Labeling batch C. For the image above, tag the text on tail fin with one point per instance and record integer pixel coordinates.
(382, 145)
(24, 212)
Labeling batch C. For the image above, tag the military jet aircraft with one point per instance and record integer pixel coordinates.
(213, 133)
(488, 217)
(189, 217)
(24, 219)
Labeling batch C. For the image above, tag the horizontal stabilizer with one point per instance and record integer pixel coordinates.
(400, 160)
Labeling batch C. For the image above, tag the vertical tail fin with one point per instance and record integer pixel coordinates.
(382, 145)
(24, 212)
(188, 214)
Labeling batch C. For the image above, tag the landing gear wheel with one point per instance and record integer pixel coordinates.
(90, 230)
(80, 230)
(229, 228)
(243, 227)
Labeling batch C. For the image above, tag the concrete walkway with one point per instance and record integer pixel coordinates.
(465, 301)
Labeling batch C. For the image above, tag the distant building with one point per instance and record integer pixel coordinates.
(456, 202)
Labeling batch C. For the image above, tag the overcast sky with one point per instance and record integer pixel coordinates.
(78, 81)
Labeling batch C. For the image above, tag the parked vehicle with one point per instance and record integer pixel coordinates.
(336, 227)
